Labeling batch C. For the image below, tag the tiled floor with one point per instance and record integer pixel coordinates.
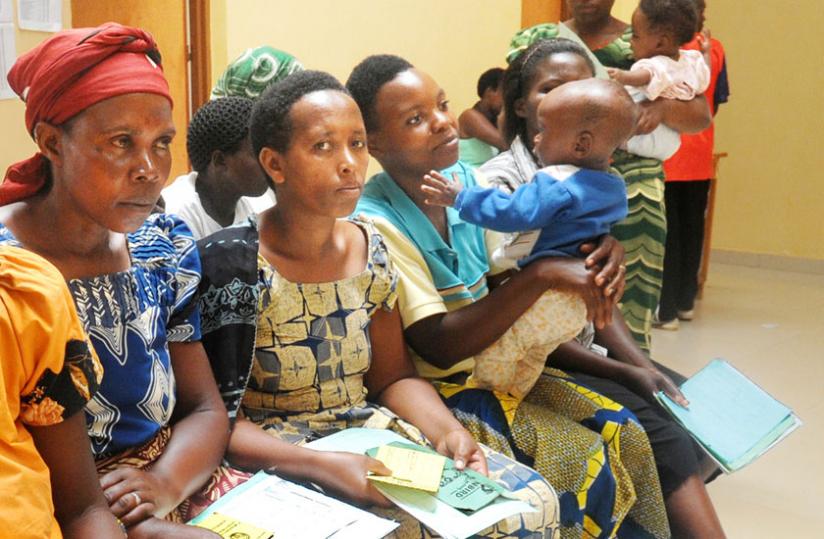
(770, 325)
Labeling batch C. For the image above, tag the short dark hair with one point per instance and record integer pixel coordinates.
(271, 126)
(491, 78)
(221, 124)
(678, 17)
(518, 78)
(368, 78)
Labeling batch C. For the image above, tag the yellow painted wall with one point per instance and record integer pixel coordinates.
(218, 29)
(622, 9)
(17, 144)
(454, 40)
(770, 192)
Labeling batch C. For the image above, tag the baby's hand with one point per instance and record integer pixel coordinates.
(618, 75)
(439, 190)
(636, 77)
(615, 74)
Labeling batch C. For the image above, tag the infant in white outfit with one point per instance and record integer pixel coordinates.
(662, 69)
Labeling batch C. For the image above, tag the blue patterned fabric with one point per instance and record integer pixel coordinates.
(131, 316)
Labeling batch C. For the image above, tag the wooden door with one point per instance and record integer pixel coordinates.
(537, 11)
(166, 21)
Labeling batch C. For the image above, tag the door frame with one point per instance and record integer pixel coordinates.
(200, 53)
(538, 11)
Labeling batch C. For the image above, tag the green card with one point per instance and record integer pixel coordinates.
(462, 489)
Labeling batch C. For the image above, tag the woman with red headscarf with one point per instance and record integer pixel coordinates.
(99, 110)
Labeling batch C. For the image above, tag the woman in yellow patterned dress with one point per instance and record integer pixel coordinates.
(328, 346)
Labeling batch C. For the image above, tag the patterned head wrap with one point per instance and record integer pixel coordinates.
(254, 71)
(70, 72)
(527, 36)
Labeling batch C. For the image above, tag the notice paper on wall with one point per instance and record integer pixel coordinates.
(6, 11)
(40, 15)
(8, 54)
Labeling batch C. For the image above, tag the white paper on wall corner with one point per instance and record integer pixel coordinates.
(40, 15)
(6, 11)
(8, 54)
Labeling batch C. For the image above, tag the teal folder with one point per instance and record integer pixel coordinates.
(732, 418)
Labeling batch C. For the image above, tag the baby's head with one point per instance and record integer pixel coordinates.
(583, 122)
(661, 27)
(700, 8)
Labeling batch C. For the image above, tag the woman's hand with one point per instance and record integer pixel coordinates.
(651, 114)
(572, 276)
(608, 255)
(345, 474)
(647, 381)
(691, 116)
(705, 41)
(462, 448)
(135, 495)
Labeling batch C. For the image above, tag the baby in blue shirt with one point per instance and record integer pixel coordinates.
(573, 200)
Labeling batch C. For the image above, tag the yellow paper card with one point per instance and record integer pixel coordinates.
(413, 469)
(230, 528)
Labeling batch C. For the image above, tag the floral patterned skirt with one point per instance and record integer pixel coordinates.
(592, 451)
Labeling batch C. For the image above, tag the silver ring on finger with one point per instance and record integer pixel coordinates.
(137, 500)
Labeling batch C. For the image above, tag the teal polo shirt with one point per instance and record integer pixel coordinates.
(458, 267)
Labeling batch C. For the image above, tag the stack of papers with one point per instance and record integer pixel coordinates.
(462, 489)
(268, 506)
(465, 503)
(732, 418)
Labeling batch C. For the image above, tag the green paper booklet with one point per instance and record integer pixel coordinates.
(462, 489)
(732, 418)
(448, 512)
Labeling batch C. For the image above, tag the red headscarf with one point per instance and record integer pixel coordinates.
(68, 73)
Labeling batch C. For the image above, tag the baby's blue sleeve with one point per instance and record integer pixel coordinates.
(533, 205)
